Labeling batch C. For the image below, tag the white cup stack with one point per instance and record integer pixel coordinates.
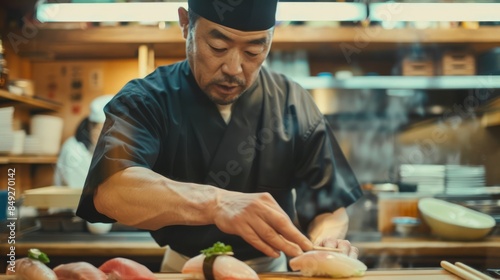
(47, 130)
(6, 133)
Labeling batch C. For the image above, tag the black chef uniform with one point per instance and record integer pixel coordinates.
(276, 140)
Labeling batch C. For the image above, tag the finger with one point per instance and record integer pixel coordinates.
(354, 253)
(269, 235)
(329, 242)
(282, 224)
(298, 250)
(293, 235)
(253, 238)
(344, 245)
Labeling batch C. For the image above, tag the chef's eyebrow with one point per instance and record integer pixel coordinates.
(216, 34)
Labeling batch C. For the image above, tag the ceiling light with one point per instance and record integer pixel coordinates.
(321, 11)
(167, 11)
(108, 12)
(393, 11)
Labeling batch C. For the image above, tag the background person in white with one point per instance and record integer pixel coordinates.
(76, 153)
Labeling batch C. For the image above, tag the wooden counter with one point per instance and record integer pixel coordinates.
(390, 251)
(434, 274)
(95, 248)
(92, 249)
(411, 274)
(431, 247)
(388, 245)
(428, 252)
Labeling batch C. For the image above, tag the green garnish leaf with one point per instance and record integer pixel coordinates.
(36, 254)
(218, 248)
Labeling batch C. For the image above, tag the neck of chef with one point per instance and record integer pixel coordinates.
(225, 111)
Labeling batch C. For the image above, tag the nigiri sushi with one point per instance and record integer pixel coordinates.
(79, 271)
(30, 269)
(330, 264)
(217, 263)
(224, 267)
(126, 269)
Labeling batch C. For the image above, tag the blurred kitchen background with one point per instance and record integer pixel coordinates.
(414, 100)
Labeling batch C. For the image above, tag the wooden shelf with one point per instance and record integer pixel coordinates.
(283, 34)
(28, 159)
(365, 36)
(53, 196)
(430, 246)
(123, 41)
(491, 119)
(25, 101)
(25, 106)
(401, 82)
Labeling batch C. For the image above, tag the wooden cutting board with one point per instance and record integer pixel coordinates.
(52, 196)
(407, 274)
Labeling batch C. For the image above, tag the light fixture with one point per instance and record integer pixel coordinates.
(320, 11)
(167, 11)
(108, 12)
(394, 11)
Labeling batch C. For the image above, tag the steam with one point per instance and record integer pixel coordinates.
(369, 124)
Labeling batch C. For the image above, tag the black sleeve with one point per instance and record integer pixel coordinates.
(326, 181)
(130, 137)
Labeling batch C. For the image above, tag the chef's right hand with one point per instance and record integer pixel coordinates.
(261, 222)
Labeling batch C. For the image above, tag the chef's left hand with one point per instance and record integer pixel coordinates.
(341, 244)
(329, 230)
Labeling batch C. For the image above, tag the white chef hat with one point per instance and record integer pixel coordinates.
(97, 108)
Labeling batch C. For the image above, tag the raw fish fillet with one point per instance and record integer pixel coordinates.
(324, 263)
(125, 269)
(79, 271)
(29, 269)
(225, 268)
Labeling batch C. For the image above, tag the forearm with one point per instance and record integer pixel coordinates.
(141, 198)
(329, 225)
(144, 199)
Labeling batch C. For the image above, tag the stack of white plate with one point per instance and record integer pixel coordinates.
(428, 178)
(462, 178)
(18, 146)
(6, 133)
(7, 142)
(32, 145)
(48, 130)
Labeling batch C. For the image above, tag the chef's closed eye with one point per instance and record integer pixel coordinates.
(254, 51)
(217, 49)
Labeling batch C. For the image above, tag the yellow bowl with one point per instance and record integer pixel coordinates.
(454, 222)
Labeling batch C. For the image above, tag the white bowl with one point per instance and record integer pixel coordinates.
(99, 228)
(405, 226)
(454, 222)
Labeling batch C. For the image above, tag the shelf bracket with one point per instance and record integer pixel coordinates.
(146, 58)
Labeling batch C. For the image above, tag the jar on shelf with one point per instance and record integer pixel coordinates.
(4, 72)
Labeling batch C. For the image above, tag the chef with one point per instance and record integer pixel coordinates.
(213, 148)
(76, 153)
